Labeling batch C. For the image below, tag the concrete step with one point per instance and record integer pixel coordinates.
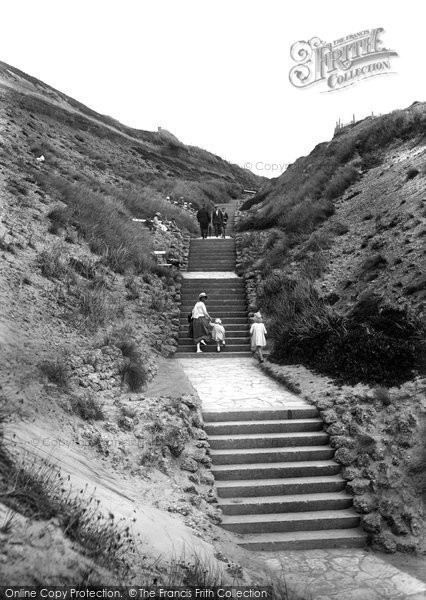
(304, 540)
(231, 313)
(309, 468)
(231, 331)
(279, 487)
(217, 268)
(225, 320)
(213, 295)
(212, 349)
(286, 503)
(294, 521)
(209, 355)
(278, 426)
(213, 284)
(267, 440)
(291, 412)
(270, 455)
(231, 306)
(229, 341)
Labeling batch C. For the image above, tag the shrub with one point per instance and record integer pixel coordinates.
(56, 371)
(372, 344)
(345, 176)
(87, 408)
(411, 173)
(52, 262)
(134, 374)
(59, 217)
(92, 308)
(105, 225)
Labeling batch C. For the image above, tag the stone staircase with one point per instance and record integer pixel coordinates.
(277, 483)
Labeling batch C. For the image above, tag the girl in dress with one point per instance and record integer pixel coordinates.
(218, 333)
(257, 333)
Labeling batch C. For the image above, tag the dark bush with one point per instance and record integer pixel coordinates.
(411, 173)
(372, 344)
(88, 408)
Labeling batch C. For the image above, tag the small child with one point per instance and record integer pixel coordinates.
(218, 333)
(258, 332)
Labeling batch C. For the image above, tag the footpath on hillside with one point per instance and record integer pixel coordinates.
(233, 382)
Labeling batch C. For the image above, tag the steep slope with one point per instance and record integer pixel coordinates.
(86, 316)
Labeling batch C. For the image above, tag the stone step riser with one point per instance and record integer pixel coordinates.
(236, 306)
(234, 332)
(261, 415)
(211, 355)
(225, 320)
(212, 349)
(268, 427)
(275, 455)
(191, 288)
(268, 507)
(276, 442)
(301, 544)
(230, 341)
(344, 522)
(272, 472)
(220, 296)
(280, 489)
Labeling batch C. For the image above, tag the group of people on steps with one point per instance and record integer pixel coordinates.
(202, 328)
(214, 221)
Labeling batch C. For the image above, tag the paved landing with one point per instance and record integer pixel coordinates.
(344, 575)
(235, 384)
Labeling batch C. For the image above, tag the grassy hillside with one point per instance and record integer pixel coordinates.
(88, 464)
(336, 246)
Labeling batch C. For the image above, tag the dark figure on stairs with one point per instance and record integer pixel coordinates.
(217, 220)
(203, 217)
(224, 221)
(200, 322)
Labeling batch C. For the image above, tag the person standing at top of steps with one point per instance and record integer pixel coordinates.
(203, 217)
(224, 221)
(200, 322)
(217, 220)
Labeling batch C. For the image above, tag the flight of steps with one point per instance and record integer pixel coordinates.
(277, 483)
(226, 300)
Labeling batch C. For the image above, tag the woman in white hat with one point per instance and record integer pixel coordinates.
(200, 322)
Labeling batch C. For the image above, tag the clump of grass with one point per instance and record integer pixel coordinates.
(344, 176)
(53, 263)
(411, 173)
(133, 371)
(38, 490)
(59, 218)
(134, 374)
(381, 394)
(87, 408)
(92, 308)
(56, 371)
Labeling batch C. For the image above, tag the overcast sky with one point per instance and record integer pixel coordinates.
(216, 74)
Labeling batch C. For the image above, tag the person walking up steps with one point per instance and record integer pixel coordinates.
(218, 333)
(200, 322)
(217, 221)
(257, 333)
(203, 217)
(224, 221)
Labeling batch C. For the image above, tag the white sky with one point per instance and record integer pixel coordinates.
(213, 73)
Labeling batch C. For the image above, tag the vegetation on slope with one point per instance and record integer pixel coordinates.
(289, 233)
